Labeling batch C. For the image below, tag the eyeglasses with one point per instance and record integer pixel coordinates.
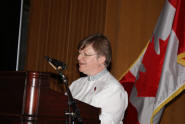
(85, 54)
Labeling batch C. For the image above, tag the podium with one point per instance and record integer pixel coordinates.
(26, 98)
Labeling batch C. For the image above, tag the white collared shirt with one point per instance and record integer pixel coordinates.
(105, 92)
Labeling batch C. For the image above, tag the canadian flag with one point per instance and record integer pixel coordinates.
(158, 75)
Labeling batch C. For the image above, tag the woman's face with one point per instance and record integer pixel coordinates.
(89, 62)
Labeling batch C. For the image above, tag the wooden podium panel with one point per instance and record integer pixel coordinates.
(26, 98)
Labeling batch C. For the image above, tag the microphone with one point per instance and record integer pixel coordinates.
(57, 65)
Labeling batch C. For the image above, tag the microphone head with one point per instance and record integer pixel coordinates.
(59, 65)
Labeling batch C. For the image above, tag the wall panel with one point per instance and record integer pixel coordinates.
(56, 27)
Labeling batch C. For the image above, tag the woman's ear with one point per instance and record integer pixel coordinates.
(101, 59)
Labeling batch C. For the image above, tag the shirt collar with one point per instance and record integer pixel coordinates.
(97, 76)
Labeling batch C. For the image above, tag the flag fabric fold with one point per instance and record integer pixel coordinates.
(157, 76)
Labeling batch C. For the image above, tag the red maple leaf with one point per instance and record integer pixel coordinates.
(148, 81)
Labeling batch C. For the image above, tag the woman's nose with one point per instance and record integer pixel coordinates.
(79, 57)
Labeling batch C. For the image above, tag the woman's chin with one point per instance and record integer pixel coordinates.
(81, 69)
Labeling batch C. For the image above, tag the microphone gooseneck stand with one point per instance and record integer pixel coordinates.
(72, 116)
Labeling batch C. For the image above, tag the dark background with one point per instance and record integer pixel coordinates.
(10, 17)
(10, 24)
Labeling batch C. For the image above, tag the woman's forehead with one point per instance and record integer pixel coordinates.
(88, 47)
